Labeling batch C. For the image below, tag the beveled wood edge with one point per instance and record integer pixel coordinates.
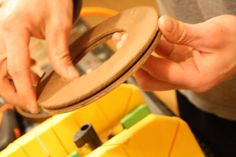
(110, 87)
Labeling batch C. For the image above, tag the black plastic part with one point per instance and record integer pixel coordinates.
(8, 124)
(87, 134)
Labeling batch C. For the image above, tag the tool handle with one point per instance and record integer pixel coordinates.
(9, 128)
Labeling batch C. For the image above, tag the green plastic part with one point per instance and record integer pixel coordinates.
(74, 154)
(135, 116)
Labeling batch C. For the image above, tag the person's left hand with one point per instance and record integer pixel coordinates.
(196, 57)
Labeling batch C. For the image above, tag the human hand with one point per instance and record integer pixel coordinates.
(20, 20)
(194, 56)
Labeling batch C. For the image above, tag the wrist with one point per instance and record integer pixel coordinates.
(77, 4)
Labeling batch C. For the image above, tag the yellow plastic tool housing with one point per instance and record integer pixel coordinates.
(152, 136)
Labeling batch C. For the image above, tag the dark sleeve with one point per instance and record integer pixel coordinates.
(76, 10)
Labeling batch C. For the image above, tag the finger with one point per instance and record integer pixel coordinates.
(119, 39)
(7, 89)
(34, 77)
(164, 48)
(18, 65)
(173, 52)
(116, 37)
(8, 92)
(57, 37)
(183, 74)
(148, 83)
(179, 32)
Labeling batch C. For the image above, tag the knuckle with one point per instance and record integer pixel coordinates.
(63, 56)
(181, 36)
(16, 71)
(16, 68)
(182, 33)
(13, 71)
(186, 34)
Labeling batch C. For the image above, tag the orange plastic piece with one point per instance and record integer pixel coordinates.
(17, 132)
(97, 11)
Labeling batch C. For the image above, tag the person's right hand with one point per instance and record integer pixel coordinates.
(195, 56)
(20, 20)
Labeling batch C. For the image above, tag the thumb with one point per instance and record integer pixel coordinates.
(178, 32)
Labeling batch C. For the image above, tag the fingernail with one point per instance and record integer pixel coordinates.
(117, 36)
(72, 72)
(119, 45)
(124, 37)
(168, 24)
(33, 109)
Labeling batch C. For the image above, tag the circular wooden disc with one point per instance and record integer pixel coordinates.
(141, 26)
